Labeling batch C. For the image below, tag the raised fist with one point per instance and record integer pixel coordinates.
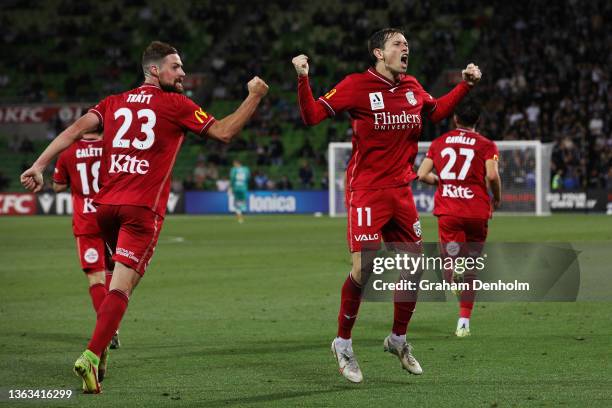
(32, 179)
(257, 86)
(471, 74)
(301, 64)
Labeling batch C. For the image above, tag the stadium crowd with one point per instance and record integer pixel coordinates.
(548, 78)
(545, 67)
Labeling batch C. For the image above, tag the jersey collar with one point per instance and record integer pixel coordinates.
(382, 78)
(149, 85)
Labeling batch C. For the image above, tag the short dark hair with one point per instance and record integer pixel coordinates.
(378, 39)
(468, 112)
(155, 52)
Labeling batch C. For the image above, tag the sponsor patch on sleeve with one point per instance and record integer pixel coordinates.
(200, 115)
(330, 94)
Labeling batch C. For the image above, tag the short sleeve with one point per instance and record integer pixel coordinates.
(491, 152)
(192, 117)
(339, 98)
(431, 152)
(100, 110)
(60, 174)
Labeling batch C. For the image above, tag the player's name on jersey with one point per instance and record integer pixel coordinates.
(88, 152)
(139, 98)
(461, 140)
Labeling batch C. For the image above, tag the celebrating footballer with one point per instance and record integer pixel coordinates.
(387, 109)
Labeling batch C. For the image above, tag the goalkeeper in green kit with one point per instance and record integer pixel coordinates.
(239, 188)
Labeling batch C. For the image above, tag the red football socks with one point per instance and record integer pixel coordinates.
(349, 306)
(110, 314)
(465, 309)
(97, 293)
(402, 313)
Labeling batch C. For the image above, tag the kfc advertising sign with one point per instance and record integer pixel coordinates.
(17, 204)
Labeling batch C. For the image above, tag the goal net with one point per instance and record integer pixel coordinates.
(524, 168)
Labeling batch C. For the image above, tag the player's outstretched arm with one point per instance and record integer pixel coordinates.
(425, 172)
(445, 105)
(225, 129)
(494, 182)
(312, 112)
(32, 178)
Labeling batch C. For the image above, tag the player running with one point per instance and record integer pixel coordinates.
(465, 162)
(387, 108)
(239, 188)
(143, 131)
(78, 167)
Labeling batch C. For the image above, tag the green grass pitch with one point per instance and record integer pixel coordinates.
(243, 315)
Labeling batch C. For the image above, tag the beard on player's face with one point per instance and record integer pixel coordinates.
(174, 85)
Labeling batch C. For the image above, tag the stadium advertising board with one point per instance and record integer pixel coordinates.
(40, 113)
(424, 201)
(59, 204)
(579, 201)
(17, 204)
(258, 202)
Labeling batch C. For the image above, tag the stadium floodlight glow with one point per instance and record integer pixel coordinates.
(524, 168)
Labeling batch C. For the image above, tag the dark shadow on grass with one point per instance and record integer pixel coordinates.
(280, 396)
(266, 347)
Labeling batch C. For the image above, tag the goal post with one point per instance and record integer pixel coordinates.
(524, 169)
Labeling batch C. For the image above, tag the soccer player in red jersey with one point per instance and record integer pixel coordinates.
(143, 131)
(387, 108)
(465, 162)
(78, 167)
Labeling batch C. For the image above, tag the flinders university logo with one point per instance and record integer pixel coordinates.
(411, 99)
(401, 121)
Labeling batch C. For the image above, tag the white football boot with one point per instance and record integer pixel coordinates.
(403, 351)
(347, 363)
(463, 327)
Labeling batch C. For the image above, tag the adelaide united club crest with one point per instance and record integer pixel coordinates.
(411, 99)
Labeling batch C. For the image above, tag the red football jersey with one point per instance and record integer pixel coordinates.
(459, 158)
(79, 167)
(386, 118)
(143, 132)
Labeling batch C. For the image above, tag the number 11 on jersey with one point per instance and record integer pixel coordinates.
(360, 211)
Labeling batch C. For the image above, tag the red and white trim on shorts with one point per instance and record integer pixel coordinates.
(78, 242)
(350, 220)
(350, 203)
(151, 244)
(352, 176)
